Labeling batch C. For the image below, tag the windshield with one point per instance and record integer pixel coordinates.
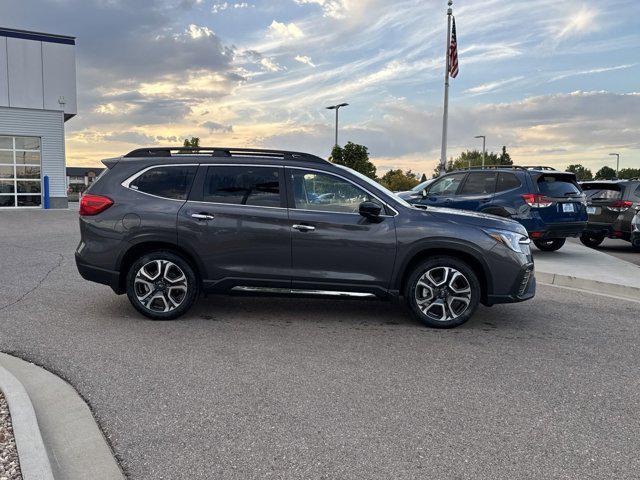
(421, 186)
(376, 185)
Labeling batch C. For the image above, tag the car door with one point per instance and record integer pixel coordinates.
(333, 247)
(476, 192)
(236, 222)
(441, 193)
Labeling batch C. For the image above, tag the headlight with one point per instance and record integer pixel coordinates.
(515, 241)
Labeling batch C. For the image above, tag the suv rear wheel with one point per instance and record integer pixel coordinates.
(550, 245)
(592, 240)
(162, 285)
(443, 292)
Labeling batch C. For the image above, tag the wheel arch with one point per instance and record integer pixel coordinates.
(143, 248)
(475, 262)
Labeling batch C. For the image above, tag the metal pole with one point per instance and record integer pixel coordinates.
(617, 155)
(445, 115)
(484, 150)
(337, 110)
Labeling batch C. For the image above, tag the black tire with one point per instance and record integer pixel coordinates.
(635, 243)
(164, 286)
(458, 312)
(550, 245)
(592, 240)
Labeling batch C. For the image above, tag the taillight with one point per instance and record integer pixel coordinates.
(94, 204)
(537, 200)
(620, 206)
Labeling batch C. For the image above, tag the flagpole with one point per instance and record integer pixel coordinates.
(445, 116)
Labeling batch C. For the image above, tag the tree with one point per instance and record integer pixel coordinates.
(629, 173)
(423, 178)
(399, 181)
(606, 173)
(192, 142)
(504, 158)
(582, 173)
(355, 157)
(473, 158)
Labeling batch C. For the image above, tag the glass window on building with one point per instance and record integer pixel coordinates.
(20, 172)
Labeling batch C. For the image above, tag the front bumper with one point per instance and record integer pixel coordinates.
(523, 289)
(99, 275)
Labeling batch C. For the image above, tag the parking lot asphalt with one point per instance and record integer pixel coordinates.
(247, 388)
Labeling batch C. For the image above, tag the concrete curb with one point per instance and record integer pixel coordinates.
(593, 286)
(32, 454)
(73, 442)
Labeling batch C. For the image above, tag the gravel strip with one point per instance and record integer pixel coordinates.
(9, 464)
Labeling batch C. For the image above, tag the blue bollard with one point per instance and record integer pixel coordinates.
(46, 192)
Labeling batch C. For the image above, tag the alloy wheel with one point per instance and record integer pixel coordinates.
(443, 294)
(160, 286)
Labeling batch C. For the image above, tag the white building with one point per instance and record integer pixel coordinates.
(37, 95)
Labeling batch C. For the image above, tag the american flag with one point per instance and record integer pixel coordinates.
(453, 52)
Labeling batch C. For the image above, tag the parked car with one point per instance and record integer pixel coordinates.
(612, 208)
(548, 203)
(417, 191)
(162, 227)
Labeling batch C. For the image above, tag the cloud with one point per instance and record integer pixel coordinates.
(581, 21)
(215, 127)
(130, 137)
(270, 65)
(592, 71)
(285, 30)
(304, 59)
(220, 7)
(491, 86)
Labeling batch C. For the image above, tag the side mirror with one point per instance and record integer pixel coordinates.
(424, 193)
(370, 210)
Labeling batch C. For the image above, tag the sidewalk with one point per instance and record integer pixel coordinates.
(577, 266)
(56, 434)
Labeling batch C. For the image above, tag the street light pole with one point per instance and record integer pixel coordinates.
(337, 108)
(484, 148)
(617, 155)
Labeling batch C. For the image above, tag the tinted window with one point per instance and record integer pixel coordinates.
(258, 186)
(479, 183)
(169, 182)
(507, 181)
(447, 186)
(556, 186)
(327, 193)
(600, 192)
(637, 192)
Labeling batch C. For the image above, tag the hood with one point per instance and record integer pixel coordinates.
(478, 219)
(409, 194)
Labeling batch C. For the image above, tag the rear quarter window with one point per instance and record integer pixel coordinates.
(172, 182)
(557, 186)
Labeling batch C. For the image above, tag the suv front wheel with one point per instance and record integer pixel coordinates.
(443, 292)
(550, 245)
(162, 285)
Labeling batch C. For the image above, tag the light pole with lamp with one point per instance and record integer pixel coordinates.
(337, 108)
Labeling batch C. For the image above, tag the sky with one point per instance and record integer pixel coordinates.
(557, 82)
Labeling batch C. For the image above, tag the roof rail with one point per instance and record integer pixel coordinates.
(508, 167)
(220, 152)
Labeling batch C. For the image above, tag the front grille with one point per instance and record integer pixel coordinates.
(524, 284)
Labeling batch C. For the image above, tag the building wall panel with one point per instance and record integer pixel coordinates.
(25, 73)
(59, 74)
(4, 74)
(49, 126)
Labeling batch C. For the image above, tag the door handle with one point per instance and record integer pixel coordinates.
(304, 228)
(202, 216)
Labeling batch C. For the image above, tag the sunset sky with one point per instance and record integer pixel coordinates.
(557, 82)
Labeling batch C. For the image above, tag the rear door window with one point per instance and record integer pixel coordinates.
(557, 186)
(172, 182)
(507, 181)
(447, 186)
(602, 192)
(480, 183)
(240, 185)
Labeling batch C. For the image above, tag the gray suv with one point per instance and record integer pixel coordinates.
(163, 225)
